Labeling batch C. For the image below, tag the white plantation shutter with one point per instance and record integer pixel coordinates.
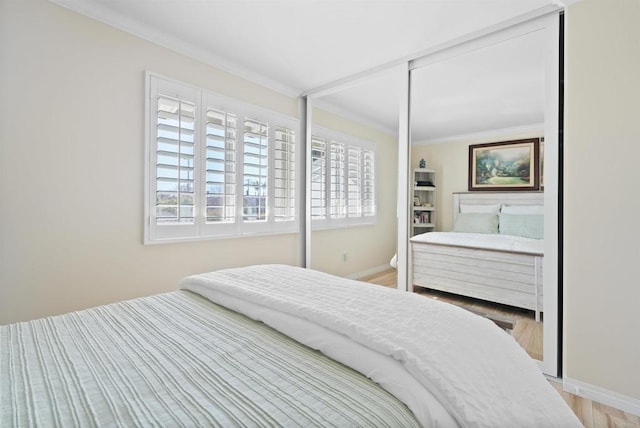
(284, 187)
(318, 178)
(220, 180)
(369, 183)
(216, 166)
(254, 176)
(172, 191)
(354, 182)
(175, 188)
(338, 200)
(345, 167)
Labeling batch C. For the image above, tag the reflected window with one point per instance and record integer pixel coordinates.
(343, 171)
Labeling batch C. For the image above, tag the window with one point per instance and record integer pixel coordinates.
(342, 180)
(216, 167)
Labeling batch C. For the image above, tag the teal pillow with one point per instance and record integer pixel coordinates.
(476, 223)
(525, 225)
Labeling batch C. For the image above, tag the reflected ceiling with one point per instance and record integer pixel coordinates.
(497, 87)
(500, 87)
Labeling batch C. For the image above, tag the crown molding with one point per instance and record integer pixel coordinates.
(98, 12)
(348, 114)
(537, 128)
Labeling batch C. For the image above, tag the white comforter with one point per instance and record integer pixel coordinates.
(475, 370)
(511, 243)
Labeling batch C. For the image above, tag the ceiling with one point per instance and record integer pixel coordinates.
(294, 46)
(495, 90)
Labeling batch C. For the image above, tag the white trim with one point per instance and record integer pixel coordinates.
(347, 114)
(370, 271)
(146, 230)
(306, 119)
(501, 32)
(551, 329)
(404, 280)
(536, 129)
(199, 229)
(95, 10)
(239, 235)
(348, 141)
(601, 395)
(354, 79)
(564, 3)
(322, 224)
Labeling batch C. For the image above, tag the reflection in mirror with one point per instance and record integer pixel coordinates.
(353, 178)
(492, 94)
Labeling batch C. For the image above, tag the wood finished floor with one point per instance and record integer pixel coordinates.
(528, 333)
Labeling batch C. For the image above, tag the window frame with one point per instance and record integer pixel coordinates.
(201, 229)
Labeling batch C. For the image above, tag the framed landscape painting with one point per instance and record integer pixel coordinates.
(508, 165)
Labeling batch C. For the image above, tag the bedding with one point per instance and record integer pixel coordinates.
(503, 266)
(497, 268)
(477, 372)
(512, 243)
(476, 223)
(177, 359)
(388, 359)
(525, 225)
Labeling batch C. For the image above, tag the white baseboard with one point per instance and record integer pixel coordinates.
(368, 272)
(602, 395)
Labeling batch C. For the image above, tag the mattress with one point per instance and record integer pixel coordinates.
(177, 359)
(510, 243)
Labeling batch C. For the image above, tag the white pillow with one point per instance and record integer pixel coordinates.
(523, 209)
(483, 209)
(525, 225)
(476, 223)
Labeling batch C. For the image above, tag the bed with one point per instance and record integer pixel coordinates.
(272, 345)
(495, 252)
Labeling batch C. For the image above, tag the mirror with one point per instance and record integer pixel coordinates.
(501, 86)
(364, 113)
(495, 93)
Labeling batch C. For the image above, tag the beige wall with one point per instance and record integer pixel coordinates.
(602, 148)
(368, 247)
(72, 176)
(71, 166)
(451, 162)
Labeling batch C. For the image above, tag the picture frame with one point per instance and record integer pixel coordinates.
(506, 165)
(541, 150)
(416, 201)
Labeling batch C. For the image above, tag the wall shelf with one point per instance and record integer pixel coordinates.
(423, 208)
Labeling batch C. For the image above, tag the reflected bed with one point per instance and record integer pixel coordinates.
(479, 259)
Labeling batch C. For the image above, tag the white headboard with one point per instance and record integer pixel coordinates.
(490, 198)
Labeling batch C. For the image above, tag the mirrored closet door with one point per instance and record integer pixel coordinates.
(501, 85)
(499, 89)
(353, 177)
